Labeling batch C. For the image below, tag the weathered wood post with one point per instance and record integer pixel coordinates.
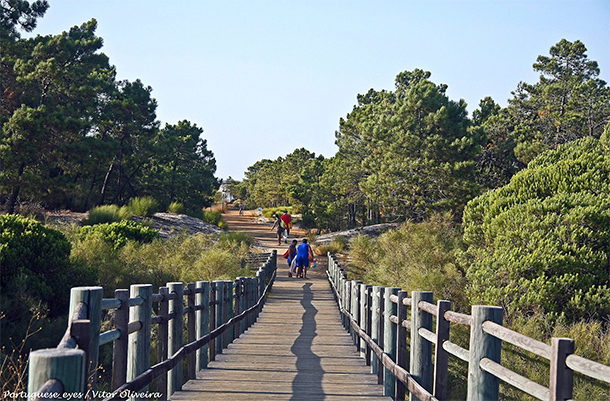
(163, 340)
(220, 292)
(92, 297)
(379, 299)
(230, 291)
(483, 386)
(251, 299)
(562, 377)
(421, 349)
(365, 307)
(66, 365)
(369, 323)
(401, 343)
(176, 307)
(138, 356)
(212, 343)
(348, 304)
(343, 285)
(191, 327)
(119, 351)
(242, 302)
(355, 310)
(203, 322)
(441, 356)
(389, 339)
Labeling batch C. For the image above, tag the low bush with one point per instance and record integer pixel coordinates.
(117, 234)
(212, 217)
(106, 214)
(145, 206)
(175, 207)
(337, 245)
(279, 210)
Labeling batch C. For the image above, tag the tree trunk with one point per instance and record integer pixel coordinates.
(12, 200)
(105, 184)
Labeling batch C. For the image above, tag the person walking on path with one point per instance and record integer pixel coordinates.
(304, 254)
(277, 224)
(287, 220)
(292, 253)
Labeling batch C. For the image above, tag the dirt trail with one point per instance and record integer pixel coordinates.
(267, 239)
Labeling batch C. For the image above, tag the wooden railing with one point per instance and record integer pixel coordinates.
(216, 313)
(377, 318)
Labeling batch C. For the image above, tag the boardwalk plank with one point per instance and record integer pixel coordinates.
(297, 350)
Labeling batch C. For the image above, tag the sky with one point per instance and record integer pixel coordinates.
(263, 78)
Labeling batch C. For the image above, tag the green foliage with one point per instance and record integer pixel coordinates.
(212, 217)
(540, 245)
(175, 207)
(276, 211)
(116, 235)
(414, 257)
(106, 214)
(145, 206)
(35, 266)
(336, 245)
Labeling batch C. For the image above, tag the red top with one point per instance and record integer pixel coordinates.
(286, 219)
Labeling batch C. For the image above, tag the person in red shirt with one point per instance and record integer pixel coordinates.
(287, 220)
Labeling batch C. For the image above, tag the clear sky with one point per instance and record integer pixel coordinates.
(263, 78)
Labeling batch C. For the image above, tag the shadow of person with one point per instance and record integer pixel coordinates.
(307, 384)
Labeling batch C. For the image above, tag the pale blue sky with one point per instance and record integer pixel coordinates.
(263, 78)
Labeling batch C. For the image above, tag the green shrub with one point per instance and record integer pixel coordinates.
(117, 234)
(145, 206)
(36, 266)
(279, 210)
(539, 245)
(337, 245)
(176, 207)
(212, 217)
(106, 214)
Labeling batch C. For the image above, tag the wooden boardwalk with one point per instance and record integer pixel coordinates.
(297, 350)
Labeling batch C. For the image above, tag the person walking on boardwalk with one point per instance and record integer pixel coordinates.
(287, 220)
(277, 224)
(304, 254)
(290, 255)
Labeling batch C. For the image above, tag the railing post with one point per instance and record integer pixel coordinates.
(92, 297)
(203, 322)
(162, 342)
(119, 352)
(138, 355)
(562, 377)
(212, 306)
(369, 316)
(483, 386)
(241, 283)
(441, 357)
(251, 299)
(421, 349)
(176, 307)
(365, 307)
(377, 330)
(190, 331)
(355, 310)
(65, 365)
(389, 340)
(401, 343)
(229, 312)
(343, 283)
(220, 293)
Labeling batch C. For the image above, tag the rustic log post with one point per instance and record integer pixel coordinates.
(348, 305)
(65, 365)
(562, 377)
(242, 302)
(441, 357)
(252, 298)
(190, 331)
(203, 322)
(119, 351)
(229, 314)
(401, 343)
(138, 355)
(92, 297)
(176, 307)
(389, 339)
(162, 342)
(355, 310)
(375, 323)
(378, 365)
(421, 349)
(343, 285)
(483, 386)
(212, 306)
(365, 307)
(220, 292)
